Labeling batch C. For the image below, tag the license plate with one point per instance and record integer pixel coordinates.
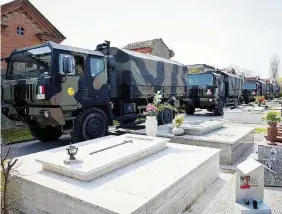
(40, 96)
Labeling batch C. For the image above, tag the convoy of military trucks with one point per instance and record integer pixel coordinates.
(57, 89)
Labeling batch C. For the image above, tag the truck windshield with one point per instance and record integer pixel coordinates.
(249, 85)
(30, 63)
(200, 79)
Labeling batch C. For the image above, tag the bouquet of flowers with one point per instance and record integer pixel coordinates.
(178, 120)
(154, 108)
(260, 100)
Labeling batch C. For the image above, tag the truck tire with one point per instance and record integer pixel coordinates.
(190, 110)
(218, 110)
(45, 134)
(165, 116)
(236, 102)
(89, 124)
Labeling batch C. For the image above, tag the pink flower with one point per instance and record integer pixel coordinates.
(151, 107)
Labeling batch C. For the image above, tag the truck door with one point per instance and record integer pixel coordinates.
(70, 88)
(97, 82)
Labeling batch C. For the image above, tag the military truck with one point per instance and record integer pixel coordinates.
(253, 87)
(212, 89)
(58, 89)
(270, 91)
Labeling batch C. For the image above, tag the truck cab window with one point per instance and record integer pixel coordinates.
(97, 65)
(79, 65)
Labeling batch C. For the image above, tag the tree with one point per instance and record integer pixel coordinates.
(274, 67)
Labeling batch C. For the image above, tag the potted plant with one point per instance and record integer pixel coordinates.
(177, 122)
(152, 111)
(272, 118)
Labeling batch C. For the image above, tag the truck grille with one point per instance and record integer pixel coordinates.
(23, 91)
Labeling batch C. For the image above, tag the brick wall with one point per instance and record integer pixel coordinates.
(10, 40)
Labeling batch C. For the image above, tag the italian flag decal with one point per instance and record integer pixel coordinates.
(41, 89)
(41, 93)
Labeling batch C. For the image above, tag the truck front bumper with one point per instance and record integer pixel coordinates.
(203, 103)
(44, 116)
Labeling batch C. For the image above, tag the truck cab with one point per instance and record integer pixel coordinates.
(250, 91)
(46, 85)
(270, 91)
(206, 91)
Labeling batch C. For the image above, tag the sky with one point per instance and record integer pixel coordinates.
(223, 33)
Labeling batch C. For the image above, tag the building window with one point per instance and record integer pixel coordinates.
(20, 31)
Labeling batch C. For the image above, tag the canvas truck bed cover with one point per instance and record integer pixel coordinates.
(235, 83)
(147, 73)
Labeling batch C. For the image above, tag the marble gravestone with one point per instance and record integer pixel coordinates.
(271, 157)
(250, 188)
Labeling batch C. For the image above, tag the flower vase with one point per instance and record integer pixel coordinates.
(259, 104)
(272, 133)
(177, 131)
(151, 126)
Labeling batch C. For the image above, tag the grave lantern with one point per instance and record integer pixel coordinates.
(250, 187)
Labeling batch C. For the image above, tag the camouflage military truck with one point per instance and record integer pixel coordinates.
(269, 91)
(212, 89)
(276, 90)
(253, 87)
(57, 89)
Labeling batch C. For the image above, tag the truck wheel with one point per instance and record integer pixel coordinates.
(218, 110)
(48, 133)
(236, 104)
(190, 110)
(89, 124)
(165, 116)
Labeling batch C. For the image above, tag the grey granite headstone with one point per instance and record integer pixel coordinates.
(271, 156)
(199, 127)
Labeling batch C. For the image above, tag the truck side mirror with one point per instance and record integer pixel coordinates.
(66, 62)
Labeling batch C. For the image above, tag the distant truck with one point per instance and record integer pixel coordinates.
(212, 89)
(58, 89)
(270, 91)
(253, 87)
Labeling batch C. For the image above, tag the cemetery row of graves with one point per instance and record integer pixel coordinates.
(171, 168)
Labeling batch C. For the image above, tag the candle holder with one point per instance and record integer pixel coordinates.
(72, 151)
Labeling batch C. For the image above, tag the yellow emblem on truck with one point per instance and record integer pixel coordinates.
(70, 91)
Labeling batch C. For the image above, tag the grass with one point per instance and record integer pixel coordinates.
(260, 130)
(15, 135)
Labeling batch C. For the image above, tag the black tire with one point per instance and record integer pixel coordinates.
(127, 121)
(89, 124)
(236, 103)
(48, 133)
(210, 109)
(190, 110)
(218, 110)
(165, 117)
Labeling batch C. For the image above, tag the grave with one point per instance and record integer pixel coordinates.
(233, 140)
(246, 115)
(199, 127)
(250, 188)
(163, 177)
(271, 156)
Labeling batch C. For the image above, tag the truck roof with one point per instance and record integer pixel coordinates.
(200, 66)
(57, 46)
(149, 56)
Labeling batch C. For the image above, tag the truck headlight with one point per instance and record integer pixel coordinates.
(46, 114)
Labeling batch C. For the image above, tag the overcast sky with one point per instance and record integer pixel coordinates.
(241, 33)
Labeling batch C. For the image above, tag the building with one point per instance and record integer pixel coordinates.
(155, 47)
(23, 25)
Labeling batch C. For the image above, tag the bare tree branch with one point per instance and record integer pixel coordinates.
(274, 67)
